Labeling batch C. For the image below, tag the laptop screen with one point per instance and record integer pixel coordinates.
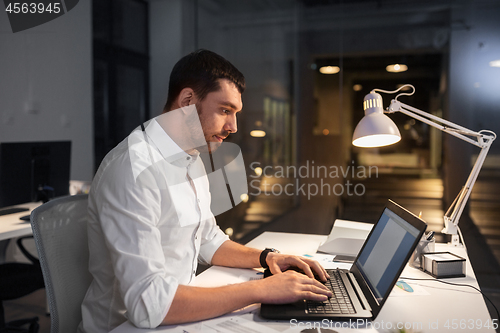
(385, 251)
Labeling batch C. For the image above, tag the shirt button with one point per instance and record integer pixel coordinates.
(188, 158)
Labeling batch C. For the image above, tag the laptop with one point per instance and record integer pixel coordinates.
(362, 291)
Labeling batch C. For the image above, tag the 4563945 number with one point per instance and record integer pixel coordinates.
(32, 8)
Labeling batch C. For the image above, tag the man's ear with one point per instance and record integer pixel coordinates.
(186, 97)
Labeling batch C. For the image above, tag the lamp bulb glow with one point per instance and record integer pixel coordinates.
(378, 140)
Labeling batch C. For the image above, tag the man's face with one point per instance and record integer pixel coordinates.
(218, 113)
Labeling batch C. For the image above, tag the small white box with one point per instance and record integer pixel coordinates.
(443, 264)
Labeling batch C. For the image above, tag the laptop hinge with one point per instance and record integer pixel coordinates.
(359, 293)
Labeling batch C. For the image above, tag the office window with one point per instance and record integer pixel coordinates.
(121, 71)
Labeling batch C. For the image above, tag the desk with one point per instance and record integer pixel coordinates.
(438, 310)
(12, 227)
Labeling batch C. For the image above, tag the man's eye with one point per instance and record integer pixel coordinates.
(226, 111)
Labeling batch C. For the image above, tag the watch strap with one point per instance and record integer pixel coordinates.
(263, 256)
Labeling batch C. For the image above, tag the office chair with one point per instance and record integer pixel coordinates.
(60, 232)
(18, 280)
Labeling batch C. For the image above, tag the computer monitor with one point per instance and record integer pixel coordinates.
(33, 171)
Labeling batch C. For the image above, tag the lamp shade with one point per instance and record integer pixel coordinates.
(375, 129)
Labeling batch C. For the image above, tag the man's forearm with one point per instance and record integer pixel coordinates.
(232, 254)
(196, 303)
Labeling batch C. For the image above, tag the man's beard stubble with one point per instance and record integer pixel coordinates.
(210, 146)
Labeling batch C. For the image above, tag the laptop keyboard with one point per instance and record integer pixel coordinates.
(339, 303)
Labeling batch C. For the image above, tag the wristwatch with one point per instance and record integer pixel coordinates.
(263, 256)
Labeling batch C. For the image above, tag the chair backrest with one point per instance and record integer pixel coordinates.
(60, 232)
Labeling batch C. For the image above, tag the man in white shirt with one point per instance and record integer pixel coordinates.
(150, 220)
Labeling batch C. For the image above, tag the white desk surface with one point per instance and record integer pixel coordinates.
(11, 226)
(434, 307)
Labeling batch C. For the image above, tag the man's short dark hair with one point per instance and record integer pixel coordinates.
(200, 71)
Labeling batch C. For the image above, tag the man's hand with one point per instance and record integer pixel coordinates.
(196, 303)
(278, 263)
(290, 287)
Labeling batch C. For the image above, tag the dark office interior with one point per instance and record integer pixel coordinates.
(94, 74)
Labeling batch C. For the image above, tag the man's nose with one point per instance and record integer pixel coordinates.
(231, 124)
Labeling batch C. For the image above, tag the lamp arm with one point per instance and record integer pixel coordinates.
(434, 121)
(482, 141)
(453, 214)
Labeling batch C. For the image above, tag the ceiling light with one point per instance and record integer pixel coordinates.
(396, 68)
(357, 87)
(258, 133)
(495, 63)
(329, 69)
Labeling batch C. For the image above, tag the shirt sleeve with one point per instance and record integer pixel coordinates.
(211, 239)
(129, 212)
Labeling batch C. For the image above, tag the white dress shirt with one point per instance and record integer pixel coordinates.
(149, 224)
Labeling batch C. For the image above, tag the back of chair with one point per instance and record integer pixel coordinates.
(60, 232)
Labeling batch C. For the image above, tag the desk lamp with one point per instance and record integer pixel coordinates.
(376, 130)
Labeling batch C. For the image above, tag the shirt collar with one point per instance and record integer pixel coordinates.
(167, 147)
